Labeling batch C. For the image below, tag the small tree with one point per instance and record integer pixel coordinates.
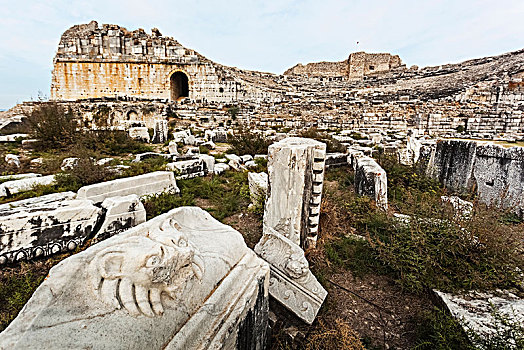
(53, 126)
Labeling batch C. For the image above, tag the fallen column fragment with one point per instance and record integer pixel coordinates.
(182, 280)
(291, 283)
(25, 184)
(296, 175)
(291, 217)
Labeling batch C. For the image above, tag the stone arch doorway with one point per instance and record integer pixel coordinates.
(179, 85)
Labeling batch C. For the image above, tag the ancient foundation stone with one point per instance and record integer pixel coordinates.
(182, 280)
(296, 175)
(371, 181)
(142, 185)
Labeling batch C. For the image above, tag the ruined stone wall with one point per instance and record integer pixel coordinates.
(320, 69)
(110, 61)
(81, 80)
(493, 171)
(361, 64)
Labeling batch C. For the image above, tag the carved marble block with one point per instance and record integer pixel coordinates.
(182, 280)
(296, 175)
(46, 225)
(141, 185)
(291, 282)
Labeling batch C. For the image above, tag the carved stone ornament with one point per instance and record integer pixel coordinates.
(182, 280)
(291, 282)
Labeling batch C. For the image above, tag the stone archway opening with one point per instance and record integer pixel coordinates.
(179, 86)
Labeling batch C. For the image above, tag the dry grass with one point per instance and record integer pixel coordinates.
(334, 337)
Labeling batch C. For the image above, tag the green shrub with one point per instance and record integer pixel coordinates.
(15, 291)
(164, 202)
(332, 144)
(437, 330)
(54, 126)
(246, 142)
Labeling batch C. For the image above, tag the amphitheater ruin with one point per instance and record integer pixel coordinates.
(184, 279)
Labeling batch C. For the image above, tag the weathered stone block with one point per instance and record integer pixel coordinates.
(296, 174)
(45, 225)
(121, 213)
(187, 169)
(258, 185)
(371, 181)
(142, 185)
(16, 186)
(182, 280)
(291, 283)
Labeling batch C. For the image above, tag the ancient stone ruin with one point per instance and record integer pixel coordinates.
(296, 175)
(182, 280)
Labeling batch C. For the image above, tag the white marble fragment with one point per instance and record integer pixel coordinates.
(182, 280)
(296, 175)
(16, 186)
(141, 185)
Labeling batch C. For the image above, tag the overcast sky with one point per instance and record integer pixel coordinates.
(265, 35)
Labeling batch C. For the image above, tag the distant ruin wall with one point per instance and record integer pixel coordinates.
(496, 173)
(320, 69)
(358, 65)
(361, 64)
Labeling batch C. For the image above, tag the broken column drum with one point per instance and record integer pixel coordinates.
(296, 175)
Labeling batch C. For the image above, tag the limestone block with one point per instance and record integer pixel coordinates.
(121, 213)
(103, 161)
(193, 151)
(474, 311)
(69, 163)
(462, 207)
(334, 160)
(296, 175)
(172, 147)
(250, 164)
(209, 163)
(257, 186)
(371, 181)
(139, 133)
(209, 145)
(5, 178)
(291, 282)
(149, 155)
(182, 280)
(16, 186)
(180, 136)
(12, 160)
(160, 132)
(45, 225)
(246, 158)
(187, 169)
(233, 157)
(220, 168)
(141, 185)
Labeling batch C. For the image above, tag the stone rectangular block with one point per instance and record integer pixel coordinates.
(142, 185)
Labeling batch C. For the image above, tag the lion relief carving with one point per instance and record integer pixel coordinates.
(139, 273)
